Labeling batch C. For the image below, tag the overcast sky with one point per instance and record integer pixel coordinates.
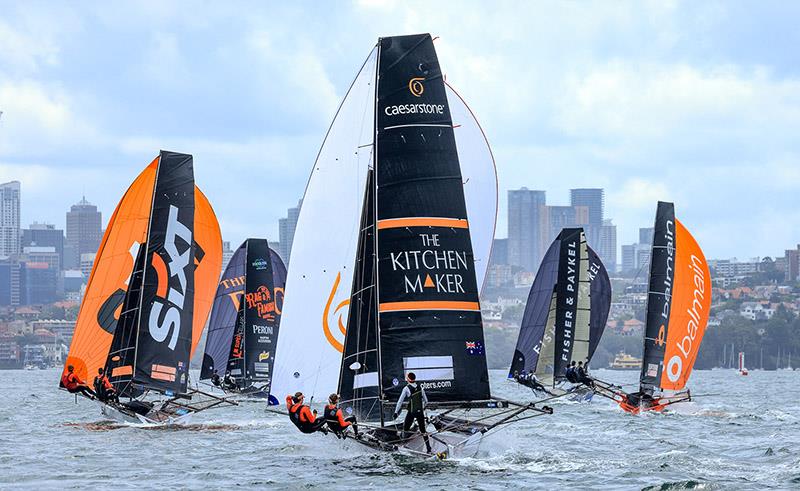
(693, 102)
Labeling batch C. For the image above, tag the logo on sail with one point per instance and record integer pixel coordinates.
(339, 311)
(262, 301)
(415, 86)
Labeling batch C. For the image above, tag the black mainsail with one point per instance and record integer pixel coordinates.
(246, 316)
(566, 311)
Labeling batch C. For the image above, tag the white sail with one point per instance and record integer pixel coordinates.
(309, 348)
(480, 180)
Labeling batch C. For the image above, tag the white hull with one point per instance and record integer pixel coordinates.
(156, 418)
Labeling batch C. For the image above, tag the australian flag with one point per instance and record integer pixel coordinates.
(474, 348)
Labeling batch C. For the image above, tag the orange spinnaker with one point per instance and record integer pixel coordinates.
(111, 272)
(691, 302)
(206, 276)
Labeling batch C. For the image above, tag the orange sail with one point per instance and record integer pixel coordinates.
(108, 282)
(114, 263)
(209, 240)
(691, 302)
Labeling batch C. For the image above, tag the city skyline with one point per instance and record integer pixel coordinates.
(632, 104)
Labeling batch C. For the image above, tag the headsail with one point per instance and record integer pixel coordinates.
(566, 311)
(154, 227)
(678, 304)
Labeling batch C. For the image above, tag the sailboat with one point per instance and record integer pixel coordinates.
(323, 257)
(245, 318)
(564, 318)
(678, 303)
(401, 246)
(149, 295)
(742, 368)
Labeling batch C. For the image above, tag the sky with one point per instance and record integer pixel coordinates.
(692, 102)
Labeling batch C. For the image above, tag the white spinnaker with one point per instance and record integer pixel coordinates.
(479, 175)
(308, 353)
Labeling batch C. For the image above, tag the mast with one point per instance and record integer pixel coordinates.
(374, 190)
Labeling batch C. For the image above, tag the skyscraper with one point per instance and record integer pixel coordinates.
(44, 235)
(646, 235)
(227, 254)
(9, 218)
(607, 245)
(593, 199)
(526, 214)
(84, 232)
(286, 228)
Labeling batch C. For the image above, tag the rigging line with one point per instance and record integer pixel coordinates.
(415, 125)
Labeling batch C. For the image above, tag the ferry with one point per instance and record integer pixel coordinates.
(624, 361)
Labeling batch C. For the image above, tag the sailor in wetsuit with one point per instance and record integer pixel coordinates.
(582, 376)
(640, 399)
(336, 421)
(571, 373)
(103, 388)
(529, 380)
(215, 379)
(74, 384)
(417, 400)
(228, 383)
(302, 416)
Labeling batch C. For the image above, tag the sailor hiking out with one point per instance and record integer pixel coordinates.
(337, 423)
(417, 400)
(74, 384)
(103, 388)
(302, 416)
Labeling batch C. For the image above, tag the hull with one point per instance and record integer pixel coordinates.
(154, 417)
(444, 444)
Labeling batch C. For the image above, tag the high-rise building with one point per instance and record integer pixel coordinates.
(227, 254)
(607, 245)
(87, 263)
(9, 282)
(560, 217)
(629, 258)
(499, 252)
(593, 199)
(792, 271)
(526, 227)
(646, 235)
(9, 219)
(286, 227)
(44, 235)
(84, 232)
(39, 282)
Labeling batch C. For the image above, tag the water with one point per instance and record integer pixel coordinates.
(746, 437)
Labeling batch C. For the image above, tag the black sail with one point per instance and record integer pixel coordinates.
(662, 274)
(429, 312)
(566, 312)
(358, 379)
(537, 309)
(261, 313)
(223, 315)
(235, 365)
(164, 339)
(122, 355)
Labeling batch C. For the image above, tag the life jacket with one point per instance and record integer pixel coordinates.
(295, 408)
(571, 375)
(415, 401)
(69, 381)
(102, 384)
(331, 415)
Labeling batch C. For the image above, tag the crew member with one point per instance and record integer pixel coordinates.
(215, 379)
(74, 384)
(336, 421)
(529, 380)
(571, 373)
(582, 375)
(103, 388)
(228, 382)
(302, 416)
(417, 400)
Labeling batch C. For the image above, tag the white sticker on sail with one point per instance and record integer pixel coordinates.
(362, 380)
(309, 349)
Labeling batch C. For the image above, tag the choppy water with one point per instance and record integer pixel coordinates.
(746, 437)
